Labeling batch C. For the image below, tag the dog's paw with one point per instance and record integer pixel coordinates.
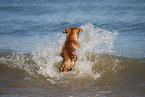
(73, 57)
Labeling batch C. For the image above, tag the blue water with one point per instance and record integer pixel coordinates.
(32, 29)
(25, 23)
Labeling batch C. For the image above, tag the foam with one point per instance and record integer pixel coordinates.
(92, 39)
(45, 60)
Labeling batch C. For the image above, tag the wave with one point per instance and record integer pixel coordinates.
(97, 68)
(93, 64)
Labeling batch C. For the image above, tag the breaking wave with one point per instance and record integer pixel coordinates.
(93, 61)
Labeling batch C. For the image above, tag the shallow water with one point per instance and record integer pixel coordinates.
(107, 76)
(111, 59)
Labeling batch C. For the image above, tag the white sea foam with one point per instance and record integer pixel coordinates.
(46, 60)
(92, 40)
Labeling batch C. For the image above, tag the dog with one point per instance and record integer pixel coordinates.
(69, 48)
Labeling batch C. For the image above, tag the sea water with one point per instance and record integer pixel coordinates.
(111, 57)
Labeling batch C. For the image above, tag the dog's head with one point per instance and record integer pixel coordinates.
(73, 30)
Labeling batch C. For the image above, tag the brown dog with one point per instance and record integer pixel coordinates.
(69, 48)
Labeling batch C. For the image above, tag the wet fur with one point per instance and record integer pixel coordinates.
(69, 48)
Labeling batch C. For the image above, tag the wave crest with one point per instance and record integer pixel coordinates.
(46, 60)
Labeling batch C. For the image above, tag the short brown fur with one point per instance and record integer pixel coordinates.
(71, 43)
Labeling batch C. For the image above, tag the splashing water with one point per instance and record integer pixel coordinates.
(92, 40)
(47, 59)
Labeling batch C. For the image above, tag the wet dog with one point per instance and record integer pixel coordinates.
(69, 48)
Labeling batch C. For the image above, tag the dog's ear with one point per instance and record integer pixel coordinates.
(66, 30)
(80, 29)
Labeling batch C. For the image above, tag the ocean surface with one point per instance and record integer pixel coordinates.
(111, 57)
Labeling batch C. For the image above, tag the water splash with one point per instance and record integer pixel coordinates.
(95, 39)
(92, 40)
(46, 60)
